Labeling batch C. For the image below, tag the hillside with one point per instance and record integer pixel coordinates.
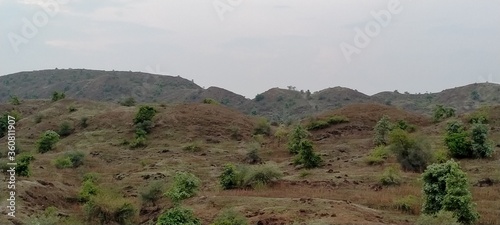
(279, 105)
(343, 191)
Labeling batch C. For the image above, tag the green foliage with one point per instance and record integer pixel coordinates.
(47, 217)
(47, 141)
(230, 217)
(295, 138)
(210, 101)
(227, 179)
(130, 101)
(56, 96)
(84, 122)
(145, 126)
(252, 156)
(72, 108)
(108, 207)
(391, 176)
(259, 97)
(65, 129)
(248, 176)
(441, 155)
(139, 142)
(457, 140)
(413, 155)
(475, 95)
(306, 156)
(478, 117)
(322, 124)
(185, 185)
(192, 147)
(92, 177)
(377, 156)
(178, 216)
(408, 204)
(72, 159)
(145, 113)
(481, 146)
(23, 163)
(88, 189)
(403, 125)
(382, 129)
(440, 218)
(14, 100)
(440, 113)
(263, 127)
(446, 188)
(281, 133)
(153, 192)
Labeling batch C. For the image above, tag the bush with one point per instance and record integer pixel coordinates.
(210, 101)
(377, 156)
(259, 97)
(130, 101)
(478, 117)
(47, 141)
(440, 113)
(459, 143)
(65, 129)
(84, 122)
(92, 177)
(295, 138)
(481, 146)
(139, 142)
(47, 217)
(153, 192)
(38, 118)
(440, 218)
(252, 156)
(145, 113)
(228, 178)
(248, 176)
(306, 156)
(403, 125)
(408, 204)
(263, 127)
(391, 176)
(23, 163)
(107, 207)
(413, 155)
(230, 217)
(178, 216)
(72, 108)
(321, 124)
(14, 100)
(441, 156)
(281, 133)
(446, 188)
(56, 96)
(88, 189)
(145, 126)
(71, 159)
(192, 147)
(185, 185)
(382, 129)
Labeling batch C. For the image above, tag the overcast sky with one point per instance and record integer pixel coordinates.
(249, 46)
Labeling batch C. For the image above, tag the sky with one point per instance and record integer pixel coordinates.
(249, 47)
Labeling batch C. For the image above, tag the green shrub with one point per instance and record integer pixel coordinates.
(391, 176)
(382, 129)
(192, 147)
(72, 159)
(47, 217)
(413, 155)
(306, 156)
(441, 156)
(107, 207)
(322, 124)
(145, 126)
(138, 142)
(210, 101)
(295, 138)
(178, 216)
(62, 162)
(38, 118)
(56, 96)
(23, 163)
(88, 189)
(227, 179)
(92, 177)
(72, 108)
(408, 204)
(130, 101)
(457, 140)
(47, 141)
(84, 122)
(252, 156)
(248, 176)
(259, 97)
(440, 113)
(65, 129)
(481, 146)
(446, 188)
(281, 133)
(14, 100)
(263, 127)
(153, 192)
(145, 113)
(377, 156)
(478, 117)
(440, 218)
(230, 217)
(185, 185)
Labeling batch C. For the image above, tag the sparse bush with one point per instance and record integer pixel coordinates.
(481, 146)
(441, 156)
(478, 117)
(230, 217)
(139, 142)
(14, 100)
(382, 129)
(178, 216)
(192, 147)
(185, 185)
(408, 204)
(47, 141)
(263, 127)
(145, 126)
(391, 176)
(446, 188)
(38, 118)
(153, 192)
(252, 156)
(56, 96)
(72, 108)
(92, 177)
(62, 162)
(84, 122)
(145, 113)
(107, 207)
(210, 101)
(403, 125)
(295, 138)
(130, 101)
(248, 176)
(47, 217)
(235, 133)
(322, 124)
(71, 159)
(65, 129)
(306, 156)
(281, 133)
(259, 97)
(413, 155)
(377, 156)
(440, 113)
(440, 218)
(23, 163)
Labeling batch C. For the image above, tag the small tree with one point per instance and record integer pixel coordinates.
(145, 113)
(185, 185)
(65, 129)
(47, 141)
(153, 192)
(481, 146)
(457, 140)
(446, 188)
(56, 96)
(178, 216)
(412, 155)
(440, 113)
(280, 134)
(382, 129)
(23, 165)
(295, 138)
(228, 177)
(306, 155)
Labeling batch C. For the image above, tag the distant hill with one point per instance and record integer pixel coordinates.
(279, 105)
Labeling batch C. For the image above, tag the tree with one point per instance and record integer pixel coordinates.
(145, 113)
(481, 146)
(47, 141)
(295, 138)
(56, 96)
(446, 188)
(306, 156)
(382, 129)
(412, 155)
(457, 140)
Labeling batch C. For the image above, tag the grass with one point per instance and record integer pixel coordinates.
(322, 124)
